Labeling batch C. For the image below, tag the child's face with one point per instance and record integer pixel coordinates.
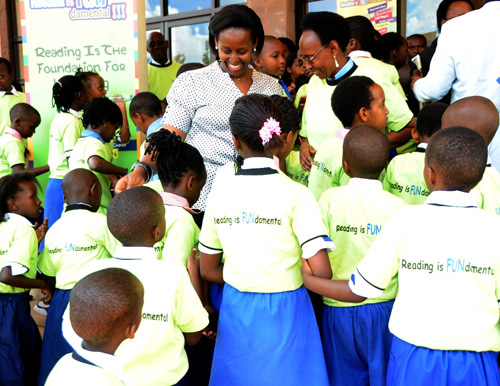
(96, 87)
(6, 78)
(109, 131)
(139, 122)
(272, 59)
(26, 202)
(26, 127)
(296, 70)
(377, 113)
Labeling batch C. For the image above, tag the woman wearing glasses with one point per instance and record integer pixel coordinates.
(322, 49)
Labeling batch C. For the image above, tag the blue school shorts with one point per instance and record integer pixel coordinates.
(357, 342)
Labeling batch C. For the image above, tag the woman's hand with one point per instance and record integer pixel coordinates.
(307, 153)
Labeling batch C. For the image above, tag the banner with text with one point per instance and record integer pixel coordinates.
(60, 36)
(382, 14)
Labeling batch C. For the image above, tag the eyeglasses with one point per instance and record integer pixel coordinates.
(306, 60)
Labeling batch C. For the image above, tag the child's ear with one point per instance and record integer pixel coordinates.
(157, 234)
(17, 122)
(363, 114)
(11, 204)
(190, 181)
(258, 63)
(131, 329)
(415, 135)
(346, 166)
(237, 143)
(65, 199)
(93, 189)
(430, 176)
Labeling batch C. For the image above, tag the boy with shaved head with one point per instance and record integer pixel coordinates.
(479, 114)
(78, 237)
(354, 214)
(105, 310)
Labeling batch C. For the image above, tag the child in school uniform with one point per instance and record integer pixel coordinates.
(263, 223)
(445, 318)
(80, 236)
(70, 95)
(360, 101)
(101, 119)
(479, 114)
(9, 96)
(356, 338)
(105, 309)
(19, 336)
(404, 177)
(173, 314)
(24, 120)
(182, 174)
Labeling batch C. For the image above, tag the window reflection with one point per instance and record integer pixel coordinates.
(178, 6)
(190, 44)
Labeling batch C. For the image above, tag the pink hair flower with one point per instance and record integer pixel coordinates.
(271, 126)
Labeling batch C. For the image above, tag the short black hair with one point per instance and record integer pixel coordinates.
(236, 16)
(104, 302)
(22, 111)
(363, 31)
(442, 10)
(417, 36)
(174, 158)
(64, 90)
(142, 204)
(85, 75)
(145, 103)
(290, 117)
(458, 155)
(292, 47)
(100, 110)
(429, 118)
(189, 67)
(249, 114)
(328, 26)
(387, 43)
(9, 187)
(7, 64)
(350, 96)
(366, 149)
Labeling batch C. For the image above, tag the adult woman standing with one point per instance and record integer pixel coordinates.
(200, 101)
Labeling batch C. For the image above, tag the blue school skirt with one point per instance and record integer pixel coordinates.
(267, 339)
(357, 343)
(216, 291)
(414, 365)
(19, 341)
(54, 202)
(54, 345)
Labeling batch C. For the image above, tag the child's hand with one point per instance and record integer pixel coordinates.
(47, 293)
(114, 179)
(41, 230)
(307, 153)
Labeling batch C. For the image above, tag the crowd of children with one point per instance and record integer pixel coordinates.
(402, 251)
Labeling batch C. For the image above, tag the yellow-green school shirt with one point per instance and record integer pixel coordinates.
(405, 177)
(11, 153)
(319, 122)
(18, 249)
(293, 168)
(488, 190)
(77, 238)
(264, 223)
(181, 234)
(327, 170)
(85, 148)
(64, 132)
(161, 78)
(354, 215)
(445, 256)
(6, 103)
(156, 355)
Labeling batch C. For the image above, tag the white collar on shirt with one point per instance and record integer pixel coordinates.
(423, 145)
(12, 90)
(17, 218)
(451, 198)
(365, 183)
(105, 361)
(158, 64)
(259, 163)
(360, 54)
(75, 113)
(135, 253)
